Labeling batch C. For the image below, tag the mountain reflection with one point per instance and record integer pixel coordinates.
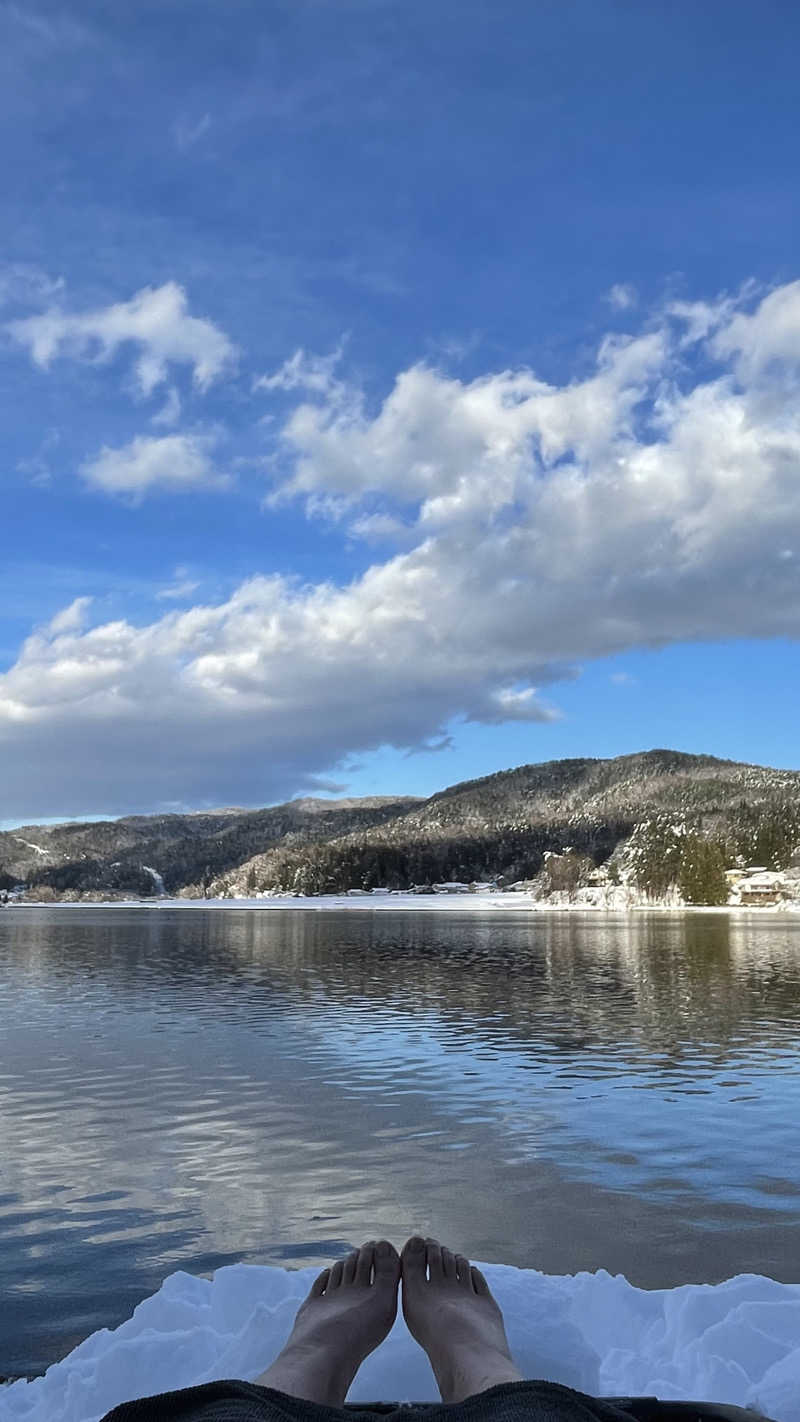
(184, 1088)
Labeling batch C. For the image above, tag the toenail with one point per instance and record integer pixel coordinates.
(416, 1242)
(383, 1246)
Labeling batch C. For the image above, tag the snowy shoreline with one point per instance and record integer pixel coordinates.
(735, 1342)
(415, 903)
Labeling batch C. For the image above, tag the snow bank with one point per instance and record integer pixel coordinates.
(737, 1342)
(398, 901)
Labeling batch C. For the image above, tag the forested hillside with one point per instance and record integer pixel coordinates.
(502, 827)
(130, 856)
(661, 820)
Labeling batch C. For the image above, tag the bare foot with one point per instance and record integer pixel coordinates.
(348, 1312)
(449, 1309)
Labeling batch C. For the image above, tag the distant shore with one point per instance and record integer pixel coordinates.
(400, 902)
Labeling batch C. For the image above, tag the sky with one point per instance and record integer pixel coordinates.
(393, 393)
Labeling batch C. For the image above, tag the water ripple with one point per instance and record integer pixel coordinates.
(182, 1090)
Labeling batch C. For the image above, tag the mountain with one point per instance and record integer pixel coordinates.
(502, 826)
(659, 820)
(139, 854)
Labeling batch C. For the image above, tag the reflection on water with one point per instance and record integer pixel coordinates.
(184, 1089)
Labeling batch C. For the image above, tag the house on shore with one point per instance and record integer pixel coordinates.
(757, 886)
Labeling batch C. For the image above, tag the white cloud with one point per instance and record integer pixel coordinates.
(312, 373)
(770, 335)
(156, 321)
(507, 704)
(539, 526)
(181, 587)
(455, 448)
(71, 618)
(622, 296)
(148, 464)
(379, 528)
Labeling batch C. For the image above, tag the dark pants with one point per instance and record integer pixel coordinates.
(510, 1402)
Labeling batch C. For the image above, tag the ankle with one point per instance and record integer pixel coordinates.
(302, 1370)
(464, 1372)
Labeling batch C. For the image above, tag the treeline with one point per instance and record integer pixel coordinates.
(665, 856)
(384, 860)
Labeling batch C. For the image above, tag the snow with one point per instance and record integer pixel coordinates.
(736, 1342)
(614, 901)
(370, 902)
(156, 877)
(36, 847)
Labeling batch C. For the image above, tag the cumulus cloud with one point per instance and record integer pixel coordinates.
(767, 337)
(455, 448)
(155, 321)
(148, 464)
(537, 526)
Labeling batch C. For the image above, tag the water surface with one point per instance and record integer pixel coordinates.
(187, 1088)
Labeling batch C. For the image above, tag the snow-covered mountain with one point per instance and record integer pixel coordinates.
(659, 821)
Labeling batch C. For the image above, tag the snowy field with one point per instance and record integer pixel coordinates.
(407, 903)
(736, 1342)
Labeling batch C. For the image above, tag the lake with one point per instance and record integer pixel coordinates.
(181, 1089)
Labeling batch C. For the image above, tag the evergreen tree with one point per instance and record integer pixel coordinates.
(701, 877)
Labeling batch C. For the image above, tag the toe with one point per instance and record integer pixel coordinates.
(449, 1263)
(349, 1266)
(433, 1251)
(463, 1271)
(479, 1284)
(413, 1259)
(387, 1261)
(366, 1259)
(336, 1273)
(319, 1285)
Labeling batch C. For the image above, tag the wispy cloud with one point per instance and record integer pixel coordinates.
(622, 296)
(53, 30)
(170, 412)
(187, 132)
(181, 588)
(314, 374)
(22, 284)
(37, 467)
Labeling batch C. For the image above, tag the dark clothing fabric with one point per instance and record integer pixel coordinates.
(510, 1402)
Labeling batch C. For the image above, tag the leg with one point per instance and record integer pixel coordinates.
(450, 1310)
(348, 1312)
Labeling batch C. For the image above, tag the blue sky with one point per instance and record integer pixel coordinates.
(393, 393)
